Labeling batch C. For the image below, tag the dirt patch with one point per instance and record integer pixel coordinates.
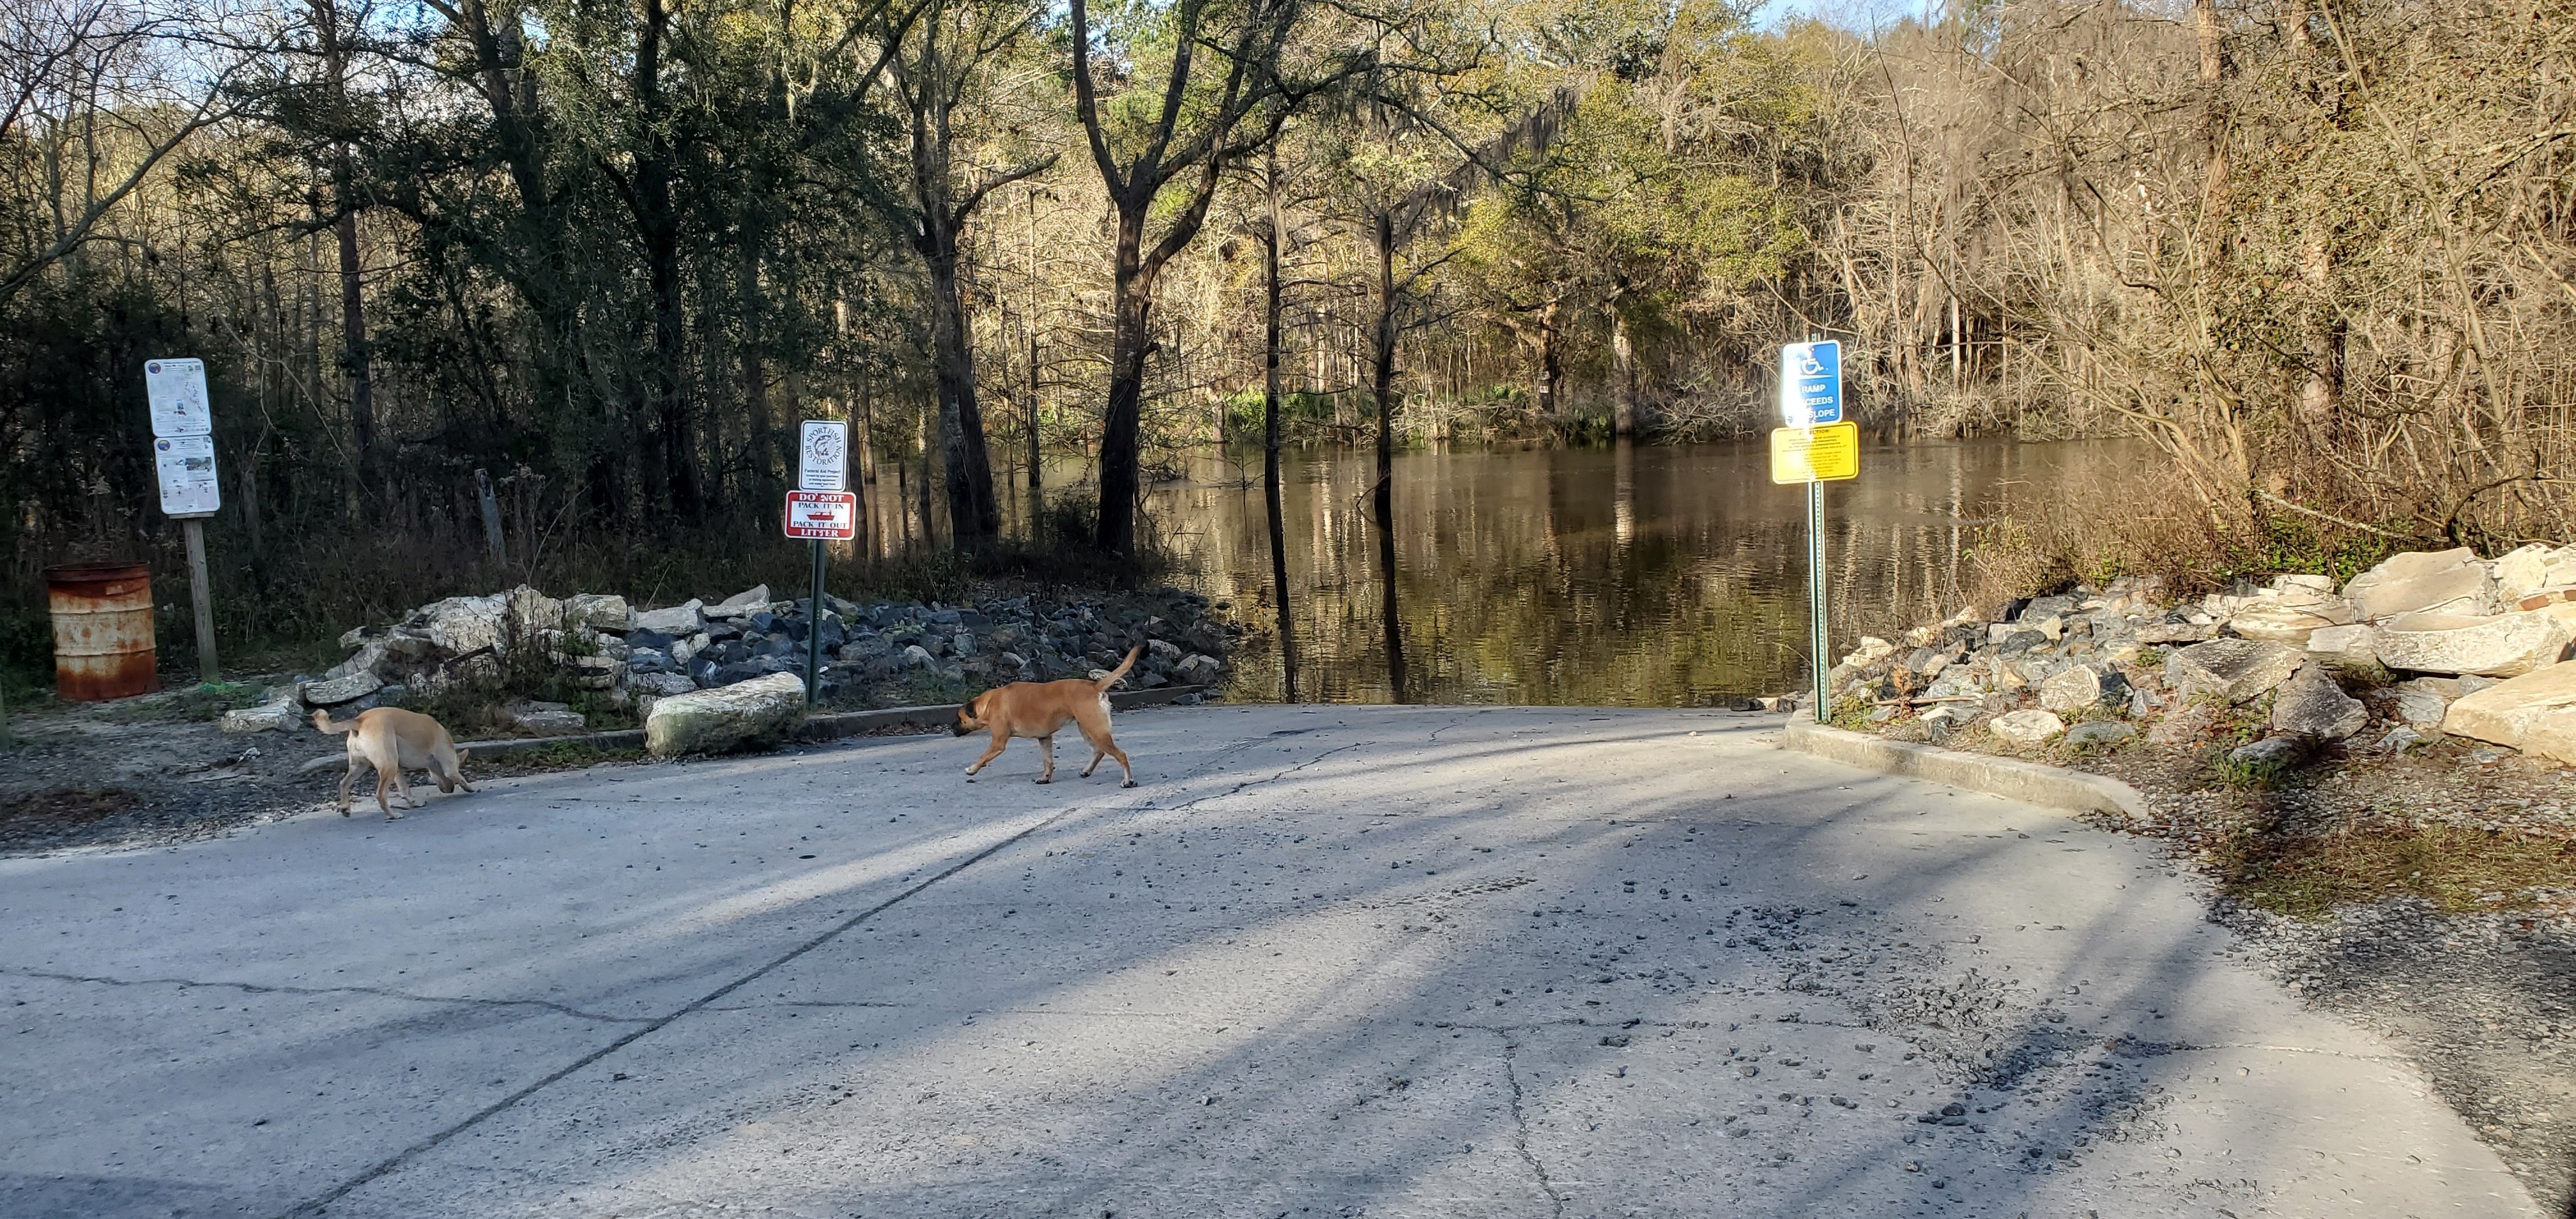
(146, 771)
(56, 809)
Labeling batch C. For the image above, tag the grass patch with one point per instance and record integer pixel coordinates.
(2458, 871)
(198, 702)
(2262, 774)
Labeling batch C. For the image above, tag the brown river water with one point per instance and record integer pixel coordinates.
(1642, 575)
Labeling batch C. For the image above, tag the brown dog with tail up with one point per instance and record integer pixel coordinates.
(1041, 709)
(392, 741)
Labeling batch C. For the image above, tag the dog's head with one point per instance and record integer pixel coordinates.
(969, 717)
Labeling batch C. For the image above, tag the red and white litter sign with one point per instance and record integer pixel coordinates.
(830, 516)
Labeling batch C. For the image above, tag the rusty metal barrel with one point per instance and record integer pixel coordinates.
(103, 646)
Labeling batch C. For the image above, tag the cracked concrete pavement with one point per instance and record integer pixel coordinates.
(1326, 961)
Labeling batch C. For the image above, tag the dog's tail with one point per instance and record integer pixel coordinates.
(322, 720)
(1110, 678)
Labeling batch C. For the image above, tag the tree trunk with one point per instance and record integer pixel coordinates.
(657, 223)
(1132, 297)
(1270, 236)
(766, 478)
(1623, 383)
(2210, 31)
(2325, 339)
(1551, 364)
(974, 516)
(353, 317)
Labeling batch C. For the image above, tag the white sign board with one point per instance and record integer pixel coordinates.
(177, 391)
(823, 456)
(187, 467)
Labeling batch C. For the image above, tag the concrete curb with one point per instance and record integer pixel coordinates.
(2010, 778)
(815, 728)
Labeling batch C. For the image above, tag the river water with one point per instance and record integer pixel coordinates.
(1646, 575)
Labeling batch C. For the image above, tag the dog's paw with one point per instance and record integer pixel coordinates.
(1128, 783)
(1043, 782)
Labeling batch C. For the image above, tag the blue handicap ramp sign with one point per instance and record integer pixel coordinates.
(1811, 384)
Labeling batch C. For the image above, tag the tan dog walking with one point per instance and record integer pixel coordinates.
(392, 741)
(1041, 709)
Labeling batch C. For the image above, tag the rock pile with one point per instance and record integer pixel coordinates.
(633, 656)
(2438, 642)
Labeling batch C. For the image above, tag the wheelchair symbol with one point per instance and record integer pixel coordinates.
(1809, 365)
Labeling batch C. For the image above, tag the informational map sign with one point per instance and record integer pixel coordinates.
(827, 516)
(1815, 455)
(176, 390)
(187, 468)
(1811, 384)
(823, 456)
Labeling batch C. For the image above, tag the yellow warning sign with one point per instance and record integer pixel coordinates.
(1815, 455)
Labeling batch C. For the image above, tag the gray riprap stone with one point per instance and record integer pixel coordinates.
(459, 625)
(2400, 739)
(2506, 645)
(278, 716)
(2441, 582)
(738, 716)
(598, 612)
(2161, 632)
(546, 719)
(2276, 749)
(2348, 647)
(2026, 727)
(2312, 705)
(663, 684)
(679, 621)
(338, 690)
(2083, 687)
(747, 600)
(2232, 669)
(2422, 704)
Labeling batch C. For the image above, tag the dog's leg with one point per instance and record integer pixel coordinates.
(1046, 750)
(450, 776)
(385, 780)
(1103, 747)
(1110, 747)
(991, 752)
(348, 778)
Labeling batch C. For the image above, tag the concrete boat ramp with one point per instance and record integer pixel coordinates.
(1330, 961)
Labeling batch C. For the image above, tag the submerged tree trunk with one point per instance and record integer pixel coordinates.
(1270, 237)
(1382, 384)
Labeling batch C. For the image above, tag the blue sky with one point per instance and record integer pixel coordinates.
(1854, 14)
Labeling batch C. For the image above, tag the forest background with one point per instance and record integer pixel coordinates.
(607, 253)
